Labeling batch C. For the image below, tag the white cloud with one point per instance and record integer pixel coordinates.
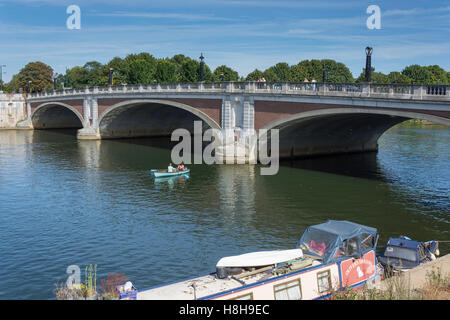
(155, 15)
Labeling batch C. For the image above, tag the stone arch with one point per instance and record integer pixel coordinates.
(144, 117)
(339, 130)
(56, 115)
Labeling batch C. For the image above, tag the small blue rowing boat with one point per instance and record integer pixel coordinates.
(163, 173)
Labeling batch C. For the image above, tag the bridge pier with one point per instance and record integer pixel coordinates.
(90, 130)
(27, 123)
(239, 138)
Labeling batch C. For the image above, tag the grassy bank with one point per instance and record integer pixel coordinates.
(398, 287)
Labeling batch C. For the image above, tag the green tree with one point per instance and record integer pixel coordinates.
(313, 69)
(298, 73)
(120, 68)
(397, 77)
(140, 68)
(280, 72)
(179, 59)
(228, 74)
(439, 74)
(12, 86)
(141, 71)
(166, 71)
(78, 77)
(38, 73)
(377, 77)
(336, 72)
(94, 73)
(418, 74)
(255, 75)
(190, 71)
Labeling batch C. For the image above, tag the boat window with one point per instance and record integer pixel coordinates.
(402, 253)
(248, 296)
(367, 241)
(324, 281)
(317, 242)
(348, 248)
(288, 291)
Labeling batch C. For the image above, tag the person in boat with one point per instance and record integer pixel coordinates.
(170, 168)
(181, 167)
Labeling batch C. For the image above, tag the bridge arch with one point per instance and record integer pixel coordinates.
(150, 117)
(56, 115)
(339, 130)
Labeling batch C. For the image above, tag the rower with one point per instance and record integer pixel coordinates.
(170, 168)
(181, 166)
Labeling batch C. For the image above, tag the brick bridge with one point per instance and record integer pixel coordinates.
(313, 118)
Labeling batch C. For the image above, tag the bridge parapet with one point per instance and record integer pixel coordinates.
(386, 91)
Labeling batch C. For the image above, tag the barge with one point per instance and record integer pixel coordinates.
(330, 256)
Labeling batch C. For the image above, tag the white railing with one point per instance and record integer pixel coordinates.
(396, 91)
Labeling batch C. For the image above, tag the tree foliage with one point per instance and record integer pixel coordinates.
(418, 74)
(228, 74)
(278, 73)
(255, 75)
(143, 68)
(38, 73)
(166, 71)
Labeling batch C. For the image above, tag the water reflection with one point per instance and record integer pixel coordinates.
(361, 165)
(237, 191)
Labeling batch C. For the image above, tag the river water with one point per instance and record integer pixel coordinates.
(67, 202)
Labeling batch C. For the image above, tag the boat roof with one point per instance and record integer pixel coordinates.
(405, 243)
(344, 229)
(208, 285)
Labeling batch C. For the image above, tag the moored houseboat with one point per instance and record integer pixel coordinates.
(329, 256)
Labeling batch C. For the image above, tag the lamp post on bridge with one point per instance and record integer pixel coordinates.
(202, 65)
(29, 86)
(1, 76)
(324, 73)
(368, 73)
(111, 72)
(55, 77)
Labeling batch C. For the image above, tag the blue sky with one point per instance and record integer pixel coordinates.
(242, 34)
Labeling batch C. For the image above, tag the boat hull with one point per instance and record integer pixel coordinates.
(160, 174)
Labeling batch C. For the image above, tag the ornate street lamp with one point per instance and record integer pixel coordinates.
(324, 73)
(202, 65)
(55, 77)
(1, 75)
(29, 86)
(222, 77)
(368, 73)
(111, 71)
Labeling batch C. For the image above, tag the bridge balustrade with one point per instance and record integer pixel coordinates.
(438, 90)
(402, 91)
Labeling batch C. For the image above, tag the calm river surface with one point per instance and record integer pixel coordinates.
(65, 202)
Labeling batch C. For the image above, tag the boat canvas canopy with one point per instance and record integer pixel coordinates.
(329, 240)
